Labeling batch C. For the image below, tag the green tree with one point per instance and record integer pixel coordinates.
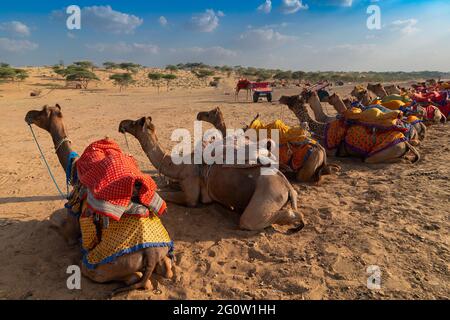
(85, 64)
(169, 77)
(203, 74)
(172, 68)
(122, 80)
(130, 66)
(78, 74)
(155, 78)
(110, 65)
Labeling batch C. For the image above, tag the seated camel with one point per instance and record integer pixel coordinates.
(126, 268)
(398, 152)
(392, 89)
(362, 95)
(263, 199)
(377, 89)
(310, 171)
(337, 103)
(312, 98)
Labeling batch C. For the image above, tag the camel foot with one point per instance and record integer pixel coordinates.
(296, 229)
(135, 286)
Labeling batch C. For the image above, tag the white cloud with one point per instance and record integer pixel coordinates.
(104, 18)
(292, 6)
(205, 22)
(210, 55)
(264, 37)
(18, 46)
(216, 51)
(342, 3)
(123, 47)
(162, 21)
(354, 48)
(15, 28)
(266, 7)
(406, 27)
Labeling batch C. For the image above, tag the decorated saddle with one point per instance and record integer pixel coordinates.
(295, 143)
(367, 131)
(117, 205)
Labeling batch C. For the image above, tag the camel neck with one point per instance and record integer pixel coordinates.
(302, 114)
(222, 128)
(339, 105)
(58, 133)
(316, 106)
(160, 159)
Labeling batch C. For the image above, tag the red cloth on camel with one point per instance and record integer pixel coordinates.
(110, 177)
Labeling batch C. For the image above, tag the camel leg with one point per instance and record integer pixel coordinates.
(188, 197)
(391, 155)
(151, 258)
(312, 164)
(122, 269)
(177, 197)
(266, 206)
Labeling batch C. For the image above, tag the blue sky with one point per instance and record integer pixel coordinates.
(289, 34)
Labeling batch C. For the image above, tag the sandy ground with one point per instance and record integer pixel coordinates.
(392, 216)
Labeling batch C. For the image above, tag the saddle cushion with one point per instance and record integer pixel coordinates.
(295, 144)
(373, 117)
(367, 142)
(393, 105)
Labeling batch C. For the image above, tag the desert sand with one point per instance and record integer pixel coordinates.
(392, 216)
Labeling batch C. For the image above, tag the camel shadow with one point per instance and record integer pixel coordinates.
(28, 199)
(35, 260)
(204, 223)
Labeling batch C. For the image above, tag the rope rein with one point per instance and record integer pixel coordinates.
(64, 197)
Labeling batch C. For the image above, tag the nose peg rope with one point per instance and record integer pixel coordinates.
(64, 197)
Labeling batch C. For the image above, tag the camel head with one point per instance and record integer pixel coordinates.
(45, 118)
(215, 116)
(291, 101)
(358, 92)
(142, 127)
(378, 89)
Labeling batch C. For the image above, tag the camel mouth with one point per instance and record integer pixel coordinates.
(123, 126)
(29, 117)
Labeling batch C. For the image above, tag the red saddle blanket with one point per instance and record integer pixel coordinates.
(111, 178)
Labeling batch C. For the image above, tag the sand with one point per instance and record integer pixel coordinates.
(391, 216)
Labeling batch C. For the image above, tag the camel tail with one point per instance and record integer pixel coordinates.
(414, 150)
(150, 266)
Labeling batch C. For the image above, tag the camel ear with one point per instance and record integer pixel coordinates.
(149, 119)
(141, 121)
(58, 106)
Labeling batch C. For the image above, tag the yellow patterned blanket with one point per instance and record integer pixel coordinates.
(103, 244)
(368, 142)
(295, 143)
(373, 117)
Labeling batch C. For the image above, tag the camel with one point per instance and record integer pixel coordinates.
(394, 154)
(243, 84)
(311, 170)
(377, 89)
(417, 135)
(362, 95)
(126, 268)
(263, 199)
(392, 89)
(314, 102)
(337, 103)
